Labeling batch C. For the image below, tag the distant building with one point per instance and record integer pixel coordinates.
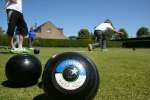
(49, 31)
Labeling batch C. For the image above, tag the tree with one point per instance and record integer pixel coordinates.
(83, 34)
(3, 37)
(143, 32)
(1, 30)
(72, 37)
(125, 35)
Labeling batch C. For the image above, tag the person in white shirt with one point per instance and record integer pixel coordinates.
(99, 33)
(15, 20)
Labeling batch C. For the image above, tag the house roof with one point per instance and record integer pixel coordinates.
(46, 23)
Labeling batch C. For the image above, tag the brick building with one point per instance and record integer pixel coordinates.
(49, 31)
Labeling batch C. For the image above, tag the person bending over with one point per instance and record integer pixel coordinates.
(99, 33)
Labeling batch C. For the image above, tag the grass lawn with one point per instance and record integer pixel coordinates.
(124, 73)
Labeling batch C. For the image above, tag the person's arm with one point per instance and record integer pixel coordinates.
(120, 33)
(110, 26)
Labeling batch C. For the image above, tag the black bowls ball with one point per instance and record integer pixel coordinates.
(23, 69)
(70, 76)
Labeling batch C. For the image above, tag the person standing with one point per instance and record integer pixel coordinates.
(31, 37)
(15, 20)
(99, 33)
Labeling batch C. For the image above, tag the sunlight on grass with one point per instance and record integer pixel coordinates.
(124, 74)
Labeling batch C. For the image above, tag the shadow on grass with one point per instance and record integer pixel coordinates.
(13, 85)
(4, 52)
(42, 97)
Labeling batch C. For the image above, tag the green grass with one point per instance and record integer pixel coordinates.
(124, 74)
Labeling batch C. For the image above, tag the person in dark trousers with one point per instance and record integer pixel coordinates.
(99, 33)
(15, 20)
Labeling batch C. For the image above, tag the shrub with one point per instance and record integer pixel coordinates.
(60, 42)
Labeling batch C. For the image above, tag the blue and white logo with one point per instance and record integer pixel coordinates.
(70, 74)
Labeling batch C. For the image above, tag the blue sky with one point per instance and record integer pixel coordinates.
(72, 15)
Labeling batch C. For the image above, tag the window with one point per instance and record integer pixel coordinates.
(49, 30)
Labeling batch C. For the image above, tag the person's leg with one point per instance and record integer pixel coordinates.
(100, 42)
(104, 43)
(22, 26)
(17, 40)
(98, 35)
(15, 43)
(12, 18)
(96, 44)
(10, 42)
(30, 42)
(21, 38)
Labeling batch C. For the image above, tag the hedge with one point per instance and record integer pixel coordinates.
(3, 41)
(70, 43)
(61, 42)
(136, 44)
(140, 38)
(114, 44)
